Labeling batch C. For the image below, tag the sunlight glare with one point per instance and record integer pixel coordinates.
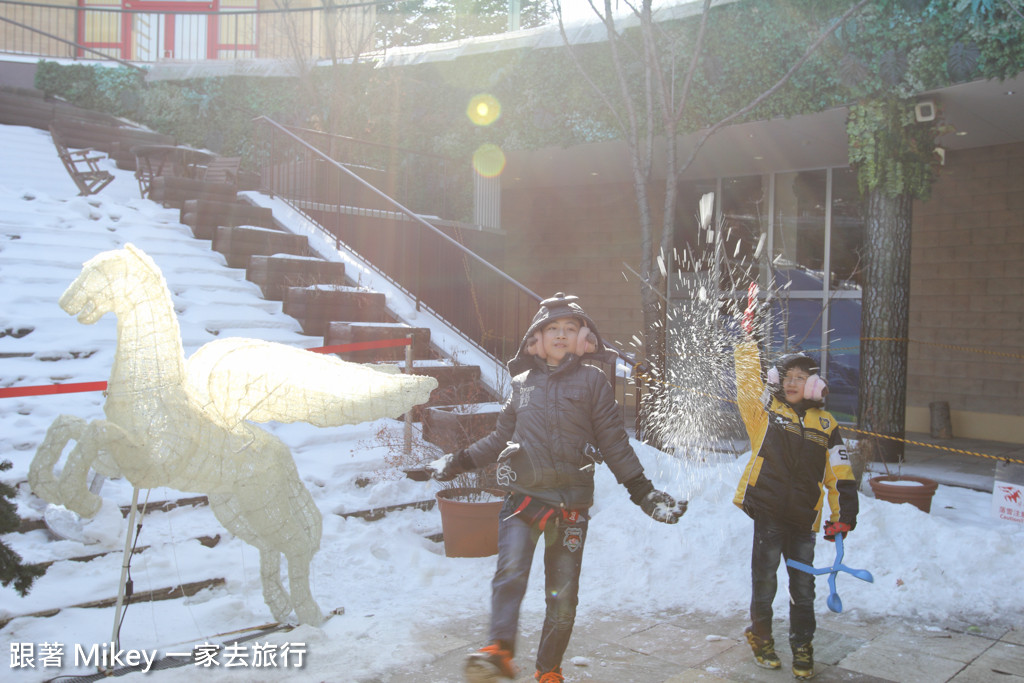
(484, 109)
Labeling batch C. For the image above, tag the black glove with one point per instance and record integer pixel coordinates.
(662, 507)
(833, 528)
(658, 505)
(449, 466)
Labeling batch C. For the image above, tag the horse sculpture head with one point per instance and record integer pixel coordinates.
(112, 281)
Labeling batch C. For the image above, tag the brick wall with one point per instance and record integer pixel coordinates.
(967, 291)
(967, 280)
(575, 240)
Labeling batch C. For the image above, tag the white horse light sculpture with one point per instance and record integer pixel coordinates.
(188, 424)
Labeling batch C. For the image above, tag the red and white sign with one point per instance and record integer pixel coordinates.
(1008, 493)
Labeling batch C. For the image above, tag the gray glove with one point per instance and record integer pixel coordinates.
(662, 507)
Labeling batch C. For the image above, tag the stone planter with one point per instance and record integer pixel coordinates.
(469, 521)
(917, 491)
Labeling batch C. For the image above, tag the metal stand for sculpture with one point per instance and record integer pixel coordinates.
(188, 424)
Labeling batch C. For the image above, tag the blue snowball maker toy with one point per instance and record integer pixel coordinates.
(834, 602)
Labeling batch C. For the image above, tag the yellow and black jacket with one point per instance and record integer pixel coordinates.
(796, 459)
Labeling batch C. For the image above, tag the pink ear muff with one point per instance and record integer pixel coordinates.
(535, 347)
(586, 341)
(773, 375)
(815, 388)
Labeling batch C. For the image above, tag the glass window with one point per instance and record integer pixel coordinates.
(843, 358)
(847, 277)
(810, 312)
(798, 244)
(796, 325)
(689, 240)
(847, 238)
(744, 218)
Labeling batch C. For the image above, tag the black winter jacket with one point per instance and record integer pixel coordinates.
(553, 413)
(798, 461)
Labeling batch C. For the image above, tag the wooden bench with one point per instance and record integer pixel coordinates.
(82, 165)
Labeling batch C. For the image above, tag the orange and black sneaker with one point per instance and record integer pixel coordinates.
(553, 676)
(764, 651)
(803, 661)
(490, 663)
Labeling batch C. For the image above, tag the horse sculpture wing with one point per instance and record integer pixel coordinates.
(237, 379)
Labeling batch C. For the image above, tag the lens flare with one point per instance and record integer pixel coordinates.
(489, 160)
(483, 109)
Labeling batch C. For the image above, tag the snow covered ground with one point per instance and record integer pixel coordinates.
(959, 562)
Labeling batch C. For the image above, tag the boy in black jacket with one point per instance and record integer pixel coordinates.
(558, 420)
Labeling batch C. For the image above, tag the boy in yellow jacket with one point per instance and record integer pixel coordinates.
(797, 461)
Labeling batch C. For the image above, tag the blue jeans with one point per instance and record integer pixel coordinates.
(563, 558)
(772, 540)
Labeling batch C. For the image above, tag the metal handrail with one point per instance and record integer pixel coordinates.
(368, 143)
(300, 174)
(497, 289)
(401, 209)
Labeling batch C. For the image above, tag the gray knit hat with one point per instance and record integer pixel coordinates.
(561, 305)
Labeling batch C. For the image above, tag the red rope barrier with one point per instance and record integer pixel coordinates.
(11, 392)
(76, 387)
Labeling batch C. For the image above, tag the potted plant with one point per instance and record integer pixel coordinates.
(469, 519)
(469, 504)
(469, 509)
(892, 487)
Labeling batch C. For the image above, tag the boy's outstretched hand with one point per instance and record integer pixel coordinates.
(661, 507)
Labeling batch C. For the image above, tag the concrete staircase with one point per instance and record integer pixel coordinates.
(318, 293)
(324, 300)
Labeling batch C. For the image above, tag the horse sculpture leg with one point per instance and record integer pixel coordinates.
(274, 593)
(71, 489)
(270, 509)
(40, 473)
(306, 609)
(248, 526)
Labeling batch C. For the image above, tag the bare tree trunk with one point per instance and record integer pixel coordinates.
(885, 323)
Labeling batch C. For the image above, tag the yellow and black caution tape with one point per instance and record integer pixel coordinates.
(648, 378)
(932, 445)
(953, 347)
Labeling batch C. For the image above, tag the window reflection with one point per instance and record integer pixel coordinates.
(744, 218)
(847, 240)
(811, 312)
(798, 245)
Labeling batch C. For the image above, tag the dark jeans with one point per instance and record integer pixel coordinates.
(563, 558)
(771, 541)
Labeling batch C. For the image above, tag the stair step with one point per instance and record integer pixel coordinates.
(275, 274)
(318, 305)
(204, 216)
(355, 332)
(456, 384)
(239, 243)
(175, 191)
(453, 427)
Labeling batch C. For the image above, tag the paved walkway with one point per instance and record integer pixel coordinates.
(673, 648)
(622, 648)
